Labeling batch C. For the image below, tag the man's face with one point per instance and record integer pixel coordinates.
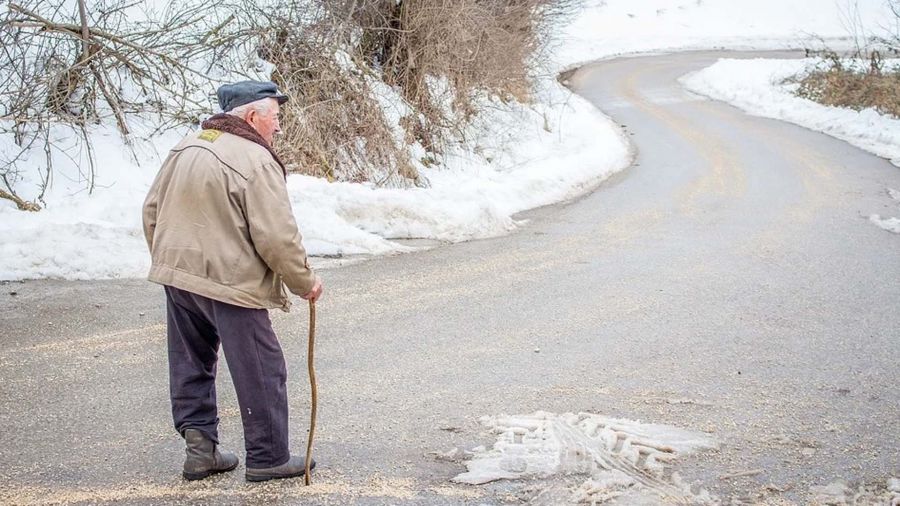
(266, 123)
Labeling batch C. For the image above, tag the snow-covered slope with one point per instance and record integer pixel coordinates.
(612, 27)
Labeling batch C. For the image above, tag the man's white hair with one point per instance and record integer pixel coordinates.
(262, 105)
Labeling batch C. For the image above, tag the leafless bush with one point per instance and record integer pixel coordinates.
(438, 55)
(78, 68)
(861, 79)
(334, 125)
(856, 87)
(491, 46)
(892, 39)
(342, 62)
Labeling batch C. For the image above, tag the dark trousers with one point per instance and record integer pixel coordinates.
(196, 326)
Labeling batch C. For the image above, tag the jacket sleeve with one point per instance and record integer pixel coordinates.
(150, 206)
(273, 229)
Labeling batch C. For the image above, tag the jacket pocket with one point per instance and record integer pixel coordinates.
(187, 259)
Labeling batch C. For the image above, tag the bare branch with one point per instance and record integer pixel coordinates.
(23, 205)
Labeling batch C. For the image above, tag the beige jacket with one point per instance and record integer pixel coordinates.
(218, 222)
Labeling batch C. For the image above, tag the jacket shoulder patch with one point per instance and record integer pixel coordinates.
(210, 135)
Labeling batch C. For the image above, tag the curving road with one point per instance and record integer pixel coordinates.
(728, 282)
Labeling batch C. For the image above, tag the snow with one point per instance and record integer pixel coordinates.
(99, 236)
(616, 27)
(889, 224)
(525, 156)
(759, 87)
(81, 235)
(618, 458)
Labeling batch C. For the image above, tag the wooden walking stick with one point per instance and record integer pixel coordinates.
(312, 384)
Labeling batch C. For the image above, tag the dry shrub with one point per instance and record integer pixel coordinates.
(873, 85)
(842, 86)
(333, 126)
(331, 56)
(491, 46)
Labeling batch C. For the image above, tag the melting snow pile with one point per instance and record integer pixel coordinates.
(620, 459)
(889, 224)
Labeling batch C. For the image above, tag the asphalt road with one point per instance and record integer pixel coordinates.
(728, 282)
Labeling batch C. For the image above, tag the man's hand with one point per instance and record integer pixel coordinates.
(316, 291)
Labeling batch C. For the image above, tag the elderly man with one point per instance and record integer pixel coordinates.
(224, 243)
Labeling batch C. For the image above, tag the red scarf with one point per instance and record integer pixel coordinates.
(231, 124)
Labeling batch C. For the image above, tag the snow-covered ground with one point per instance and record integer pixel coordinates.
(528, 156)
(613, 27)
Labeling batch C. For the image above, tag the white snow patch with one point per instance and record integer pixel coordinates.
(81, 235)
(894, 485)
(616, 456)
(614, 27)
(759, 87)
(889, 224)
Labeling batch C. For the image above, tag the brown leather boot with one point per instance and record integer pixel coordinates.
(203, 457)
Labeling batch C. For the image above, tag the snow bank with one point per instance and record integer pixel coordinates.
(619, 458)
(759, 87)
(529, 157)
(538, 155)
(82, 236)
